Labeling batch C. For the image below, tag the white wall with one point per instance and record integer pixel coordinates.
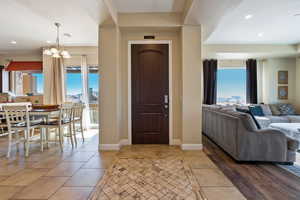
(297, 88)
(270, 79)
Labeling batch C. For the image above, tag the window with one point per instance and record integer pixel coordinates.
(93, 92)
(74, 84)
(93, 84)
(38, 83)
(231, 86)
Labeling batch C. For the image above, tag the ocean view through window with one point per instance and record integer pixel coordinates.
(231, 86)
(38, 83)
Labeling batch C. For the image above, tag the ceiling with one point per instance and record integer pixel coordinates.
(135, 6)
(273, 22)
(31, 23)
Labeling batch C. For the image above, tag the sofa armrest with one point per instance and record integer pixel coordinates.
(292, 144)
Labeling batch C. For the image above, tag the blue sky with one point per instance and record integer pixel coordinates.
(231, 82)
(73, 81)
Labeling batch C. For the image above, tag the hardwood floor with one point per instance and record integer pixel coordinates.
(256, 181)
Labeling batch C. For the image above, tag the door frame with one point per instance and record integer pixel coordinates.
(130, 43)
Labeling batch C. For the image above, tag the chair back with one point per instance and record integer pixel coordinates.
(16, 115)
(3, 124)
(77, 111)
(66, 113)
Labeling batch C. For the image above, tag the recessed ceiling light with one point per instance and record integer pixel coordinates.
(13, 42)
(67, 34)
(260, 34)
(48, 41)
(248, 16)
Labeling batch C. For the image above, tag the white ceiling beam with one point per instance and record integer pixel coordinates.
(112, 10)
(244, 51)
(209, 13)
(150, 20)
(186, 9)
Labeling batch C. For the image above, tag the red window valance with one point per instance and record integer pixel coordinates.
(25, 66)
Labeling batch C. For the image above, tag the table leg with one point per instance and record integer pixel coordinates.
(47, 133)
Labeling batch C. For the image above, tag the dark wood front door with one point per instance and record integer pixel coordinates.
(150, 93)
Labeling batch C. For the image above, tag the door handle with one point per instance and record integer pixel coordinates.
(166, 99)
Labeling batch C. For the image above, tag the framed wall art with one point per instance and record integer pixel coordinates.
(283, 92)
(283, 77)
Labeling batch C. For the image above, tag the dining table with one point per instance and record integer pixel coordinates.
(46, 115)
(41, 113)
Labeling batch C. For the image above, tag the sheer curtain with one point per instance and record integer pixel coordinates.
(85, 93)
(54, 81)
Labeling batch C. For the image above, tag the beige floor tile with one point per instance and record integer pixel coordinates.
(24, 177)
(199, 162)
(98, 162)
(48, 163)
(194, 153)
(6, 192)
(8, 170)
(82, 156)
(2, 178)
(211, 177)
(85, 178)
(65, 169)
(43, 188)
(224, 193)
(72, 193)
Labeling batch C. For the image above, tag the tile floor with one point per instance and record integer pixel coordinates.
(79, 173)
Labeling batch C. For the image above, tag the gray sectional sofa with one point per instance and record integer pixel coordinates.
(238, 135)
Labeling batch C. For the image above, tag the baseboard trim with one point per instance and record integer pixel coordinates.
(191, 147)
(176, 142)
(124, 142)
(109, 147)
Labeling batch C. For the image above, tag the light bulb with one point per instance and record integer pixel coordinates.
(47, 52)
(67, 56)
(54, 50)
(64, 53)
(56, 55)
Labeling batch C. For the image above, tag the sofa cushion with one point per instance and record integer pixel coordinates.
(252, 116)
(286, 109)
(264, 122)
(256, 111)
(266, 109)
(279, 119)
(294, 118)
(274, 109)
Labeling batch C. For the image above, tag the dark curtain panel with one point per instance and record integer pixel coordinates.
(210, 68)
(251, 66)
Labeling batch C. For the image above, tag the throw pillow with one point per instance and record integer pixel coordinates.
(286, 109)
(252, 116)
(256, 111)
(266, 109)
(274, 109)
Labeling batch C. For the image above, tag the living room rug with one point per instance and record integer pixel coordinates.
(147, 178)
(294, 169)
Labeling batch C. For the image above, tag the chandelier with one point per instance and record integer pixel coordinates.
(57, 51)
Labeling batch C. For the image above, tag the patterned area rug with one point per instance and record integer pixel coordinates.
(148, 179)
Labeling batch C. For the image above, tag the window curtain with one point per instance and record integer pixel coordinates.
(251, 66)
(54, 81)
(85, 93)
(210, 69)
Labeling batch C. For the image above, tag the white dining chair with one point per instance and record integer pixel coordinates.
(18, 120)
(77, 118)
(60, 122)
